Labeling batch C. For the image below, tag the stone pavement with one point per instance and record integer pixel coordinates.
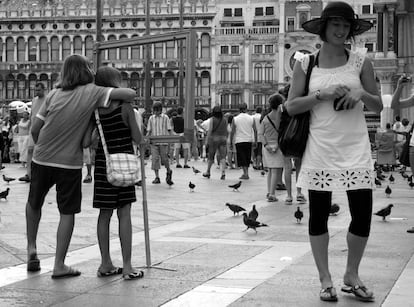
(200, 255)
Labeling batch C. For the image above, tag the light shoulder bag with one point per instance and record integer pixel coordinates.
(122, 169)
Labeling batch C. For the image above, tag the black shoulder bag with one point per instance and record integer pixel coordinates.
(294, 130)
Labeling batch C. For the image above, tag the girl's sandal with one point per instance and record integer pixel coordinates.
(328, 295)
(133, 275)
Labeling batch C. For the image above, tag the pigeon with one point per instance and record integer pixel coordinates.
(263, 173)
(252, 223)
(410, 178)
(298, 215)
(235, 186)
(411, 184)
(191, 186)
(377, 182)
(253, 214)
(334, 209)
(404, 175)
(4, 194)
(391, 179)
(388, 191)
(235, 208)
(8, 179)
(196, 171)
(384, 212)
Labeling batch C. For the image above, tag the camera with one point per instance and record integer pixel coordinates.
(336, 101)
(406, 79)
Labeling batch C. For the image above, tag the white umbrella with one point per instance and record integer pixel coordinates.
(17, 104)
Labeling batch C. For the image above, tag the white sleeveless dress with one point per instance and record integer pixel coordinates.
(338, 151)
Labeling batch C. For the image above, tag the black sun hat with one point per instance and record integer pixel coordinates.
(337, 9)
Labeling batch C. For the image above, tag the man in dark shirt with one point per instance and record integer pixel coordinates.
(178, 127)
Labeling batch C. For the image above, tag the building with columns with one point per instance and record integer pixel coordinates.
(244, 52)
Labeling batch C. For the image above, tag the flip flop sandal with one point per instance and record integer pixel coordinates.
(70, 273)
(114, 271)
(133, 275)
(288, 201)
(301, 198)
(354, 290)
(328, 295)
(33, 264)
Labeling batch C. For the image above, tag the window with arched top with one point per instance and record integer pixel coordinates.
(89, 43)
(10, 86)
(54, 49)
(77, 45)
(224, 73)
(205, 83)
(53, 79)
(32, 84)
(21, 87)
(21, 49)
(44, 78)
(170, 82)
(158, 84)
(134, 82)
(123, 52)
(124, 79)
(258, 73)
(66, 47)
(32, 48)
(135, 50)
(205, 46)
(9, 49)
(268, 73)
(234, 73)
(111, 52)
(44, 49)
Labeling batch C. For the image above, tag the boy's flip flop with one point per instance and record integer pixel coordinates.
(70, 273)
(355, 290)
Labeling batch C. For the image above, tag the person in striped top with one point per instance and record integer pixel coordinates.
(159, 124)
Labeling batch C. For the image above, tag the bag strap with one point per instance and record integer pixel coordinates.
(271, 121)
(101, 133)
(312, 61)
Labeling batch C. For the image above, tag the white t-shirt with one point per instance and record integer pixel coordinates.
(244, 128)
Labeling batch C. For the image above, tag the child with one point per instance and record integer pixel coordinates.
(120, 129)
(58, 130)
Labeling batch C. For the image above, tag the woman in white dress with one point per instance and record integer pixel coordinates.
(337, 155)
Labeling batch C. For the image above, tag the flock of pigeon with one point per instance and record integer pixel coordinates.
(5, 193)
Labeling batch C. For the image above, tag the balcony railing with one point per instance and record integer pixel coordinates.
(262, 30)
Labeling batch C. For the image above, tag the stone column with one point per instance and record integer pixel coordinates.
(281, 42)
(386, 80)
(380, 28)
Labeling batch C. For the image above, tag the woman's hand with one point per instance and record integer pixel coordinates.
(334, 91)
(403, 80)
(349, 100)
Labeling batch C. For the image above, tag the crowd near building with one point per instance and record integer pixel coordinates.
(245, 48)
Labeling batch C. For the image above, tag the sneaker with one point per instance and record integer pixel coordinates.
(179, 166)
(156, 180)
(88, 179)
(169, 176)
(25, 178)
(186, 166)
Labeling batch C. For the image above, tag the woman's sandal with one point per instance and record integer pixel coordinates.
(114, 271)
(328, 295)
(358, 290)
(133, 275)
(206, 175)
(288, 200)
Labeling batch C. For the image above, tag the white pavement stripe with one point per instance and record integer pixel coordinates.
(221, 291)
(401, 293)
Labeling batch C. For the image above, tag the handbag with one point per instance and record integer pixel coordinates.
(122, 169)
(294, 130)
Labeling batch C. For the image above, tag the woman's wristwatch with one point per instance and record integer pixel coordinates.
(318, 95)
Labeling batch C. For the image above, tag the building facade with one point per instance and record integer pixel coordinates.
(244, 52)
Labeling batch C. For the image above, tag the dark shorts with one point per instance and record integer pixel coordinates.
(244, 154)
(68, 187)
(257, 151)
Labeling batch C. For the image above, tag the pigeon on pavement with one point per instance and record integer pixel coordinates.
(196, 171)
(388, 191)
(4, 194)
(8, 179)
(334, 209)
(235, 186)
(253, 214)
(252, 223)
(191, 186)
(411, 184)
(298, 215)
(391, 179)
(235, 208)
(377, 182)
(384, 212)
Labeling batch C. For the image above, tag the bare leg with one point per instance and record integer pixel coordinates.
(288, 177)
(64, 235)
(319, 245)
(32, 226)
(273, 181)
(125, 236)
(104, 220)
(356, 247)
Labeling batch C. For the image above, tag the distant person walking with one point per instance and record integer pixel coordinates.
(57, 158)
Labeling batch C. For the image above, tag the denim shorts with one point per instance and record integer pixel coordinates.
(68, 187)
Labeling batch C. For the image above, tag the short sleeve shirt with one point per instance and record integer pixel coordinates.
(66, 115)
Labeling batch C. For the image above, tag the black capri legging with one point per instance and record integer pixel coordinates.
(360, 207)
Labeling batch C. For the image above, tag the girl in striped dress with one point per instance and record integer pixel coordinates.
(120, 129)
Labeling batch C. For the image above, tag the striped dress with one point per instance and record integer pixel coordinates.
(118, 139)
